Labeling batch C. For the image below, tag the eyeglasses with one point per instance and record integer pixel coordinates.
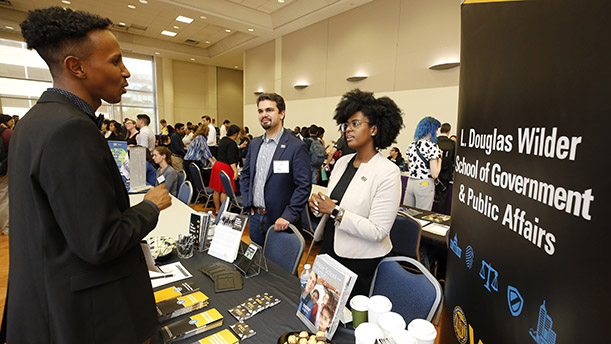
(355, 123)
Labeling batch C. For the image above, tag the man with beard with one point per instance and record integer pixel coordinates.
(275, 182)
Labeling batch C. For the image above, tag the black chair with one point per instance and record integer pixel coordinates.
(309, 223)
(405, 237)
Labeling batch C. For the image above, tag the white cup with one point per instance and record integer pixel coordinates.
(403, 337)
(367, 333)
(391, 322)
(378, 305)
(423, 331)
(359, 305)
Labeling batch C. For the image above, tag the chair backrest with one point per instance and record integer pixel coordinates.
(224, 206)
(405, 237)
(196, 174)
(226, 181)
(413, 295)
(180, 178)
(284, 247)
(186, 192)
(227, 185)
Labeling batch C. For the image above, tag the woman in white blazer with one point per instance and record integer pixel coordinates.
(364, 188)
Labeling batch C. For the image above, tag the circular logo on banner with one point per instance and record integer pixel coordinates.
(460, 325)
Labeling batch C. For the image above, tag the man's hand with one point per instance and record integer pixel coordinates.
(281, 224)
(160, 196)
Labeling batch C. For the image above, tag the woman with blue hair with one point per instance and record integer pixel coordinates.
(424, 159)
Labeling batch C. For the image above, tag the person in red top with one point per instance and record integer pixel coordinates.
(6, 131)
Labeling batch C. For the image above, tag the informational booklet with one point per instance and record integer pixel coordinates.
(326, 294)
(169, 273)
(227, 236)
(437, 228)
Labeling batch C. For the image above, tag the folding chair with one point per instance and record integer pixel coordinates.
(284, 248)
(236, 201)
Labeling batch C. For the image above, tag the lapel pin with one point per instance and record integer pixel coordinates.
(282, 146)
(363, 178)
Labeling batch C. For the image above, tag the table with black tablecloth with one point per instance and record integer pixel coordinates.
(269, 324)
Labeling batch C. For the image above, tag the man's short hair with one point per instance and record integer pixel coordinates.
(207, 118)
(445, 128)
(226, 121)
(163, 121)
(56, 32)
(178, 125)
(145, 118)
(313, 130)
(273, 97)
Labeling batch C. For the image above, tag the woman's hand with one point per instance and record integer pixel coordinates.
(321, 203)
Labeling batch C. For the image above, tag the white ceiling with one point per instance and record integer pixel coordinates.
(205, 40)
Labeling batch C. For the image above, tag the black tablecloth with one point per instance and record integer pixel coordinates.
(271, 323)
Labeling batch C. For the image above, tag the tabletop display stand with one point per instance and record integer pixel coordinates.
(250, 260)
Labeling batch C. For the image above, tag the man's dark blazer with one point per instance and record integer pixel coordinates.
(77, 272)
(447, 160)
(285, 193)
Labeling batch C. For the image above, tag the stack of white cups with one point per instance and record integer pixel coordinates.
(382, 323)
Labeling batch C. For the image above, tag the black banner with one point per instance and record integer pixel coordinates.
(529, 246)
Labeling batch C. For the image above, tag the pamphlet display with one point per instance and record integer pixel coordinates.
(198, 228)
(251, 260)
(326, 294)
(221, 337)
(191, 326)
(175, 291)
(227, 236)
(253, 306)
(119, 152)
(181, 305)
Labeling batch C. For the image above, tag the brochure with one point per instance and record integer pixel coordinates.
(227, 236)
(326, 294)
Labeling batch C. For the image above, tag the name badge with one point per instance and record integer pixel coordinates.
(160, 179)
(281, 166)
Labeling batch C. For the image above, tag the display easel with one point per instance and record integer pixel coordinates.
(250, 260)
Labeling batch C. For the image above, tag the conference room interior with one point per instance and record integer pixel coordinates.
(309, 52)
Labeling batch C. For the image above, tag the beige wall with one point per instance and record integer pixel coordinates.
(230, 89)
(392, 41)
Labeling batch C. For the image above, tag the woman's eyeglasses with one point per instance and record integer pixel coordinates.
(355, 123)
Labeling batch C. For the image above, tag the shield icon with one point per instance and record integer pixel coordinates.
(515, 301)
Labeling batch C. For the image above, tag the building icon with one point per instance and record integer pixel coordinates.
(544, 333)
(454, 246)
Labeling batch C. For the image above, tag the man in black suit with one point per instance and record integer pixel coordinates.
(77, 272)
(275, 181)
(446, 174)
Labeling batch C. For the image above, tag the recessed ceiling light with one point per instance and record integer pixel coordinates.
(235, 66)
(131, 6)
(227, 30)
(184, 19)
(281, 1)
(207, 42)
(144, 2)
(122, 23)
(251, 30)
(10, 27)
(176, 27)
(192, 59)
(203, 17)
(66, 2)
(157, 53)
(168, 33)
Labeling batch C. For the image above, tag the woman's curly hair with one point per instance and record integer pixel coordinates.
(56, 32)
(381, 112)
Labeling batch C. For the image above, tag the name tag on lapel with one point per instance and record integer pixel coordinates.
(281, 166)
